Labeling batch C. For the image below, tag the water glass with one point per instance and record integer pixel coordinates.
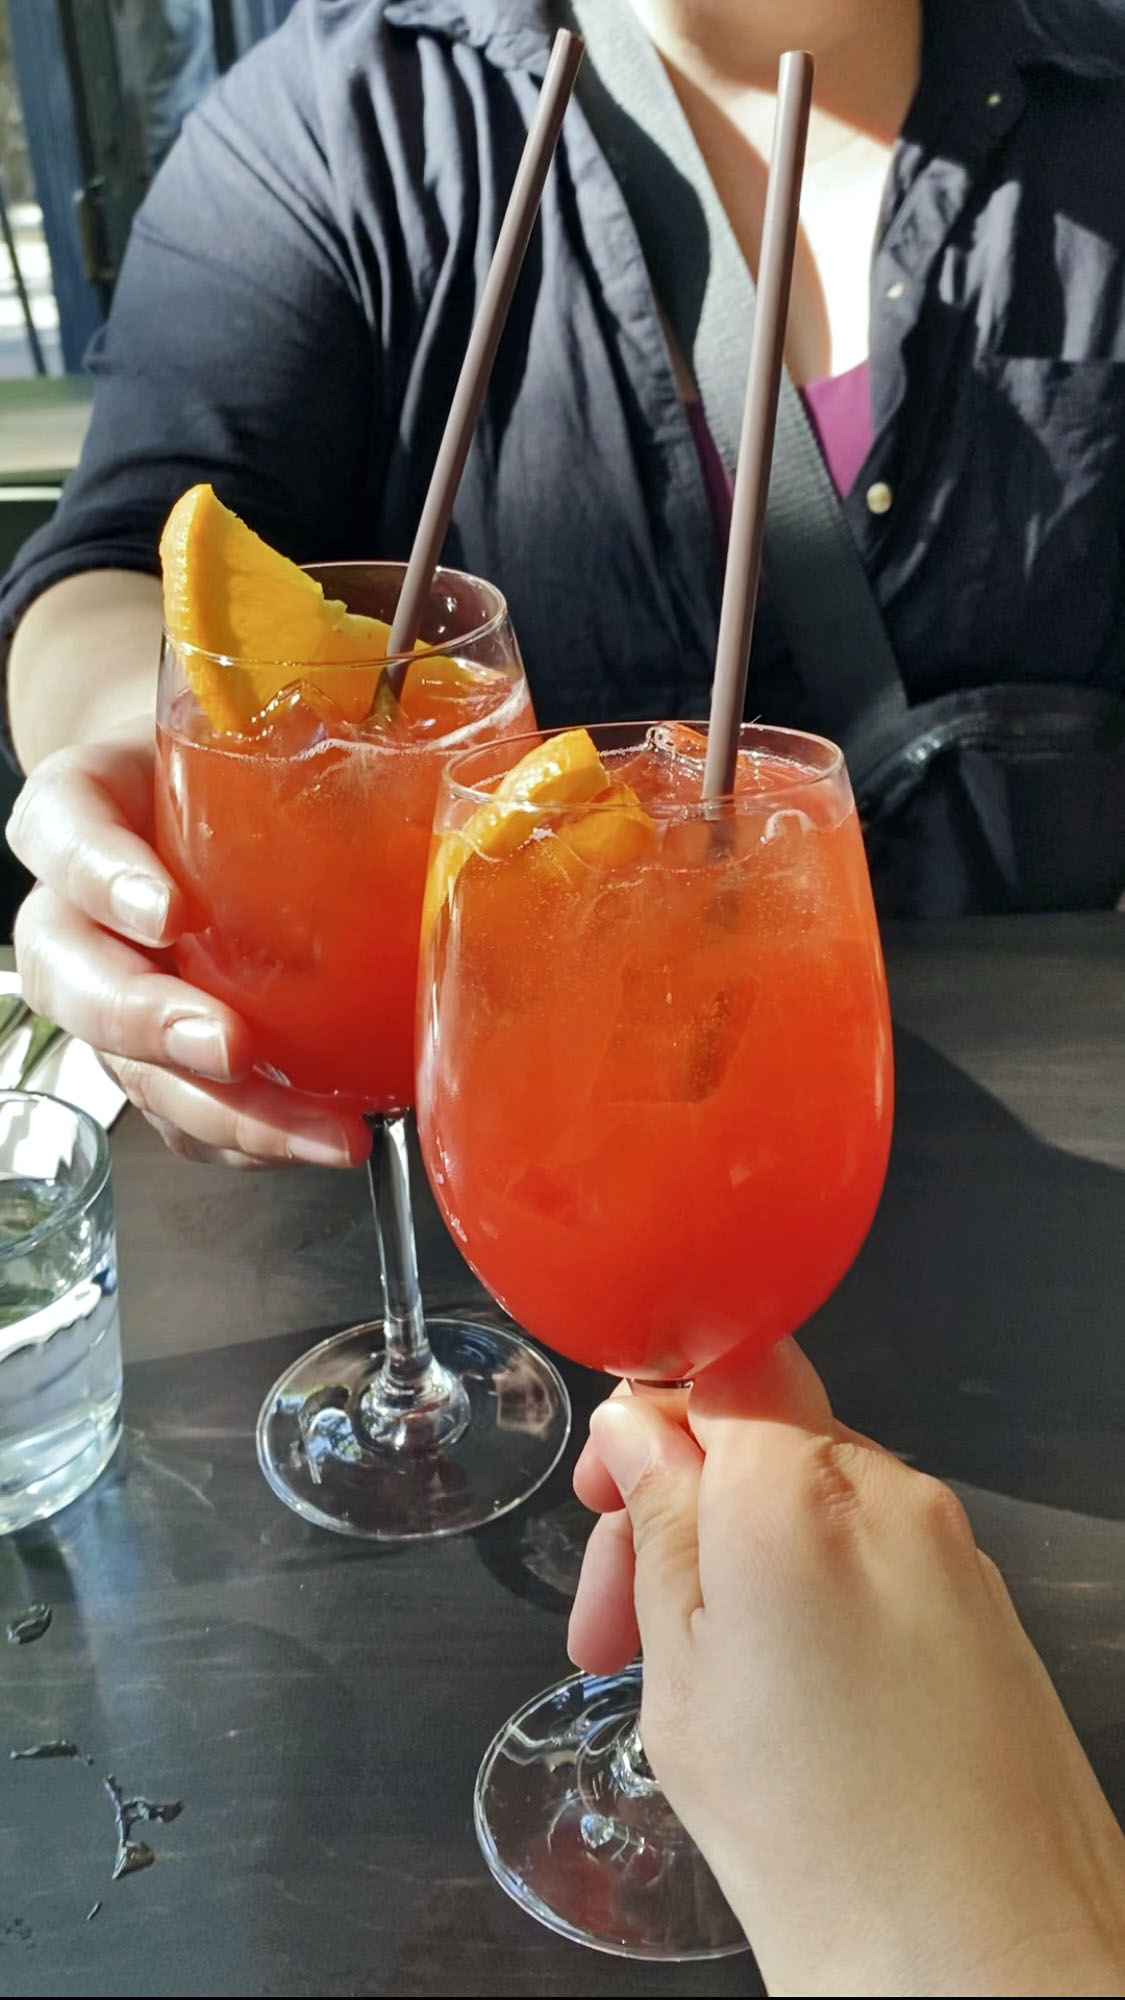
(60, 1338)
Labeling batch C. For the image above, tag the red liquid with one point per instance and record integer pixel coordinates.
(655, 1100)
(302, 850)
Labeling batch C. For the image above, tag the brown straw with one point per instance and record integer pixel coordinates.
(759, 417)
(507, 259)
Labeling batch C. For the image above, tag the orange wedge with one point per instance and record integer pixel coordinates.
(227, 592)
(566, 770)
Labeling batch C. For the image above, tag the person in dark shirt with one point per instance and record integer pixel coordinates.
(289, 320)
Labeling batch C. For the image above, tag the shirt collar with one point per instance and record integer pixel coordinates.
(512, 34)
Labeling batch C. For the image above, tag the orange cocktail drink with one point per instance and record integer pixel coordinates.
(655, 1063)
(297, 770)
(302, 846)
(300, 828)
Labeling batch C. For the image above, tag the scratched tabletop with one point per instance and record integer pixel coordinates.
(320, 1707)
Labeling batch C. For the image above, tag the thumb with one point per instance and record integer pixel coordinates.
(656, 1467)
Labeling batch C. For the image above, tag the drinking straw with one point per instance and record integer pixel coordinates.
(759, 417)
(507, 259)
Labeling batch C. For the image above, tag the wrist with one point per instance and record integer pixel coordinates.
(866, 1928)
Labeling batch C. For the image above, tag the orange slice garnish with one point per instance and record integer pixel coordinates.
(227, 592)
(566, 770)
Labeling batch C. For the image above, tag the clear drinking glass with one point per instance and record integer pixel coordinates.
(299, 832)
(60, 1337)
(654, 1101)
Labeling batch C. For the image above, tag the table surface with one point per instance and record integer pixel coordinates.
(320, 1706)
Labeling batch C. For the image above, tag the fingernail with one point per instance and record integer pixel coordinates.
(196, 1042)
(323, 1144)
(140, 904)
(619, 1437)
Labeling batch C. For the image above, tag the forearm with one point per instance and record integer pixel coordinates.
(83, 661)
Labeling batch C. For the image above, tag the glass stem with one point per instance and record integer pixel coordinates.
(388, 1171)
(412, 1402)
(632, 1772)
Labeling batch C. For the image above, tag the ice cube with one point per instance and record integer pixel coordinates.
(667, 769)
(676, 742)
(679, 1026)
(297, 720)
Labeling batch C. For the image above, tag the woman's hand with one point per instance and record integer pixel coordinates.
(840, 1701)
(89, 945)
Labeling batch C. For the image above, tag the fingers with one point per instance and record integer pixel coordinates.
(112, 996)
(603, 1635)
(656, 1467)
(82, 825)
(261, 1120)
(592, 1483)
(79, 825)
(187, 1148)
(780, 1386)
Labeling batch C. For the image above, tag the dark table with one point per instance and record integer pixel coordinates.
(321, 1707)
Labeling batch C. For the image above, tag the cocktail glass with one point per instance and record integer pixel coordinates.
(654, 1103)
(301, 844)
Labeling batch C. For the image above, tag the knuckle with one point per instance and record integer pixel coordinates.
(830, 1491)
(33, 813)
(183, 1145)
(139, 1081)
(118, 1027)
(74, 876)
(196, 1151)
(661, 1519)
(940, 1514)
(250, 1137)
(173, 1137)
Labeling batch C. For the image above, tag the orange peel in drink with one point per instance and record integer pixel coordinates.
(615, 833)
(564, 771)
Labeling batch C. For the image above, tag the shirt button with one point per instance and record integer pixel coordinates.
(897, 290)
(879, 498)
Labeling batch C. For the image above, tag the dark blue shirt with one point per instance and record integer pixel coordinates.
(301, 280)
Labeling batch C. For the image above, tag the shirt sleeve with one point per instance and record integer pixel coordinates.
(239, 348)
(1087, 36)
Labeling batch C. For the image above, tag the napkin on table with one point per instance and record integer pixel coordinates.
(67, 1068)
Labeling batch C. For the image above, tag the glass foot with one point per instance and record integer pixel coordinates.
(491, 1428)
(578, 1832)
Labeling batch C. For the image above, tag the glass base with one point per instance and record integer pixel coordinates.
(36, 1500)
(508, 1422)
(580, 1835)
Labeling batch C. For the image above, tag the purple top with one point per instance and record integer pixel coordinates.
(839, 409)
